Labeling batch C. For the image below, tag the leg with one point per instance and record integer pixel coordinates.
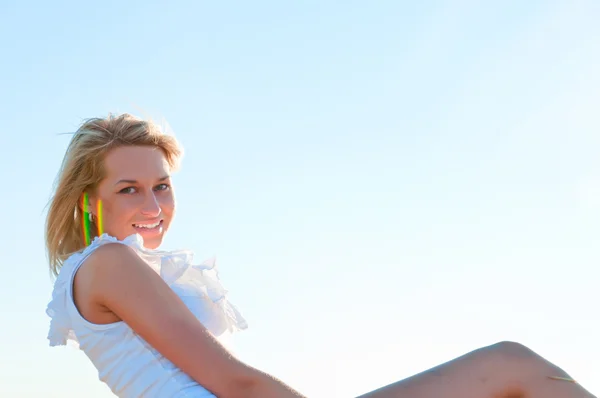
(503, 370)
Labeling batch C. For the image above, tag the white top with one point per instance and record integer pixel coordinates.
(125, 362)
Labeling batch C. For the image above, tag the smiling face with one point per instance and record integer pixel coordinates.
(136, 194)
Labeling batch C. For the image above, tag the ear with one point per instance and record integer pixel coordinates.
(88, 203)
(93, 205)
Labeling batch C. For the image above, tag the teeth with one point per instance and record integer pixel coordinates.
(149, 226)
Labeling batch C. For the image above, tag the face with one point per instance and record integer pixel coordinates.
(136, 194)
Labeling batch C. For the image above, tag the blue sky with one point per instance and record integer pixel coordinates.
(385, 185)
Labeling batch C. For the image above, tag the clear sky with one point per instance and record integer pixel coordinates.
(386, 184)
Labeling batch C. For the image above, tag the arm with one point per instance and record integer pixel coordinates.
(116, 279)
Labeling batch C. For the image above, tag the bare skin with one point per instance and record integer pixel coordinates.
(116, 285)
(503, 370)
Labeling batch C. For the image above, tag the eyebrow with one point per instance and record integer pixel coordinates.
(135, 181)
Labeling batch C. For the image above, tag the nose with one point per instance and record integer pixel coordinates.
(151, 206)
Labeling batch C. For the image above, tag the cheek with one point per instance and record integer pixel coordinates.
(167, 204)
(118, 213)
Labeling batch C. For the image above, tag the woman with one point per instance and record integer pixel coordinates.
(155, 325)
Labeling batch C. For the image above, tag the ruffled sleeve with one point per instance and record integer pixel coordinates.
(198, 286)
(201, 282)
(195, 284)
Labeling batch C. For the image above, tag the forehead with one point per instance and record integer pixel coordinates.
(135, 163)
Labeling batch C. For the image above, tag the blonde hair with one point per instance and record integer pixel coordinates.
(81, 171)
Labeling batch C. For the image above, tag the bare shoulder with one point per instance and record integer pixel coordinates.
(111, 266)
(110, 258)
(108, 264)
(114, 269)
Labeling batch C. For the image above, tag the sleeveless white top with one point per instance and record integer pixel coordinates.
(125, 362)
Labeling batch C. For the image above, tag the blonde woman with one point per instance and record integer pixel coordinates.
(154, 323)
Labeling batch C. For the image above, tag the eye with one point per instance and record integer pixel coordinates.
(162, 187)
(127, 190)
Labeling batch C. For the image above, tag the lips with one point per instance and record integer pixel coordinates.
(148, 227)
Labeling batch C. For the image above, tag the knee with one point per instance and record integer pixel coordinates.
(513, 355)
(517, 355)
(512, 349)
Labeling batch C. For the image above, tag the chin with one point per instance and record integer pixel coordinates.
(152, 244)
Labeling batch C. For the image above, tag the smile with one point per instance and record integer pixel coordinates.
(148, 226)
